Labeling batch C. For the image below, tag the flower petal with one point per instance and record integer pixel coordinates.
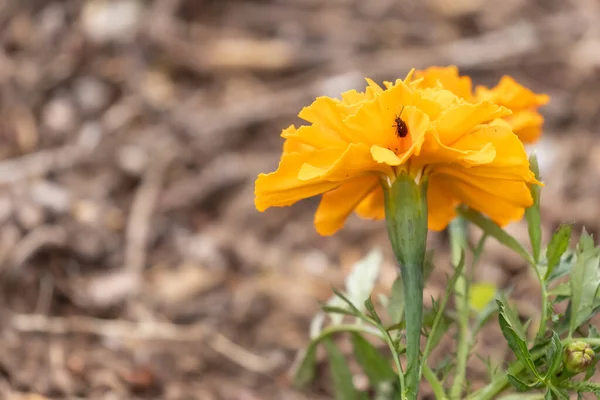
(503, 201)
(527, 125)
(385, 156)
(440, 203)
(461, 119)
(329, 114)
(283, 188)
(511, 94)
(355, 160)
(373, 123)
(372, 206)
(338, 204)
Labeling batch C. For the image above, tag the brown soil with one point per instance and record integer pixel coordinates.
(132, 261)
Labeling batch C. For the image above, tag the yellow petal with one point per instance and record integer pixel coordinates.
(503, 201)
(480, 295)
(510, 163)
(355, 160)
(511, 94)
(527, 125)
(372, 206)
(449, 79)
(468, 151)
(385, 156)
(329, 115)
(373, 123)
(283, 188)
(460, 120)
(440, 203)
(315, 137)
(338, 204)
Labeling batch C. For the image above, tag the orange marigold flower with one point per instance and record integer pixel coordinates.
(525, 120)
(355, 147)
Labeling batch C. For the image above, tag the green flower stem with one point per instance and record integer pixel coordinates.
(406, 219)
(458, 243)
(544, 293)
(434, 382)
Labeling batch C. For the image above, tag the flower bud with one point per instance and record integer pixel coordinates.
(578, 356)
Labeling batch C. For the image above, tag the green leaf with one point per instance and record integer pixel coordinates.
(563, 290)
(564, 266)
(513, 316)
(337, 310)
(372, 313)
(548, 395)
(532, 214)
(553, 356)
(376, 367)
(428, 264)
(355, 311)
(518, 384)
(307, 369)
(515, 342)
(557, 246)
(436, 315)
(491, 228)
(585, 280)
(340, 373)
(520, 396)
(395, 307)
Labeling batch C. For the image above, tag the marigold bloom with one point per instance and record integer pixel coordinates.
(525, 120)
(352, 150)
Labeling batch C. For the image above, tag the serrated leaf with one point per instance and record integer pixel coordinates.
(396, 306)
(492, 229)
(532, 214)
(559, 243)
(307, 368)
(515, 342)
(518, 384)
(585, 280)
(340, 373)
(553, 356)
(376, 367)
(513, 316)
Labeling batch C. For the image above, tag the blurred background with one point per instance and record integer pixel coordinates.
(132, 261)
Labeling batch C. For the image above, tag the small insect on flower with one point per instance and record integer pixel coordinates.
(401, 127)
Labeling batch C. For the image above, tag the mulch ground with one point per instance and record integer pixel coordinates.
(132, 261)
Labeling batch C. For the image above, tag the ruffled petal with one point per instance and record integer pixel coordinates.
(527, 125)
(355, 160)
(283, 188)
(457, 121)
(373, 205)
(441, 204)
(338, 204)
